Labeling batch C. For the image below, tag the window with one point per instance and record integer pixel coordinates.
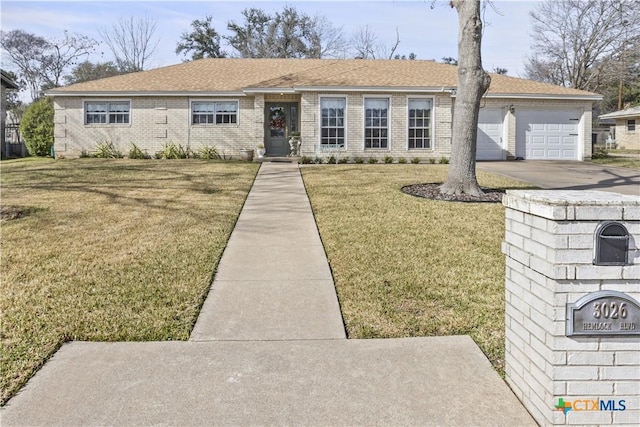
(631, 125)
(376, 123)
(107, 112)
(332, 122)
(420, 123)
(214, 112)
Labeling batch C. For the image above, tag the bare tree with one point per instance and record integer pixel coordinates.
(329, 39)
(473, 82)
(581, 43)
(366, 44)
(41, 63)
(132, 42)
(64, 54)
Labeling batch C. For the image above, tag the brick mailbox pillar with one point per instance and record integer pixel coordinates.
(572, 315)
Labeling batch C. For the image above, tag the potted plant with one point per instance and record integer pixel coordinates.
(260, 151)
(294, 143)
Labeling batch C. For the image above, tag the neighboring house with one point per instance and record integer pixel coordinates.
(7, 84)
(626, 131)
(355, 108)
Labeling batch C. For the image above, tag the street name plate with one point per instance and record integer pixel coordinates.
(603, 313)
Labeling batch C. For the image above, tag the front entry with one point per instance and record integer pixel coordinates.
(281, 118)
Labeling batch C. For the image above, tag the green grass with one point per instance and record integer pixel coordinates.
(406, 266)
(613, 160)
(109, 250)
(124, 250)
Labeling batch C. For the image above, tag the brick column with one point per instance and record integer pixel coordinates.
(549, 248)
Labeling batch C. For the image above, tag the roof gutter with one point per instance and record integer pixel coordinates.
(590, 97)
(200, 94)
(424, 89)
(279, 90)
(621, 116)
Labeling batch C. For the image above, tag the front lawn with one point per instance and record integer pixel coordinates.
(621, 158)
(405, 266)
(108, 250)
(124, 250)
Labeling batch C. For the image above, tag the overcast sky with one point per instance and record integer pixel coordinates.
(429, 32)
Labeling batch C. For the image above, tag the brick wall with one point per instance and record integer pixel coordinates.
(155, 121)
(549, 241)
(627, 139)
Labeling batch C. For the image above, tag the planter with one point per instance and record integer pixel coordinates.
(294, 145)
(260, 152)
(246, 155)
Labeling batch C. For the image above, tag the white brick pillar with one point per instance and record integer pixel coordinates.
(549, 248)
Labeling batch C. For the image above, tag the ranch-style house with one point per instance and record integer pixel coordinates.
(346, 108)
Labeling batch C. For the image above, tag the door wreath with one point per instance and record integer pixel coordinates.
(277, 119)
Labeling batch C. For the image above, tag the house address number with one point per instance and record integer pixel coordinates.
(604, 313)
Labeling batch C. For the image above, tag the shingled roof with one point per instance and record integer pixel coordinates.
(241, 76)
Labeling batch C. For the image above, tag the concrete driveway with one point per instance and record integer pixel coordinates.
(568, 175)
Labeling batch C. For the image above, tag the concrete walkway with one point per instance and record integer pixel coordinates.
(270, 348)
(273, 281)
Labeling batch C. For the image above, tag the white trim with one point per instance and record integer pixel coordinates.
(269, 90)
(144, 94)
(432, 122)
(543, 96)
(346, 118)
(213, 100)
(364, 127)
(298, 89)
(106, 125)
(387, 89)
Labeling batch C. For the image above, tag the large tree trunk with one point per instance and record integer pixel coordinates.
(473, 82)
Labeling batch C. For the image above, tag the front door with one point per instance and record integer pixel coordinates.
(281, 119)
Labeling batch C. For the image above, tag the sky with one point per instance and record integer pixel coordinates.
(428, 28)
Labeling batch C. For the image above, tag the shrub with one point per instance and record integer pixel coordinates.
(415, 160)
(332, 160)
(599, 153)
(37, 126)
(85, 154)
(208, 152)
(372, 160)
(106, 150)
(136, 153)
(305, 160)
(443, 161)
(318, 160)
(432, 160)
(358, 160)
(388, 159)
(172, 151)
(343, 160)
(402, 160)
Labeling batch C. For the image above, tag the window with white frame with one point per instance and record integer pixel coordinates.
(107, 112)
(214, 112)
(332, 124)
(631, 125)
(420, 122)
(376, 123)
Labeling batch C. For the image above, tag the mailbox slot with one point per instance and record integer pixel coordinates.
(612, 244)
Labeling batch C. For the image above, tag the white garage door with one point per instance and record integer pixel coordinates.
(489, 141)
(547, 134)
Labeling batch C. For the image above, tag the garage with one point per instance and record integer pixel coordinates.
(547, 134)
(489, 140)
